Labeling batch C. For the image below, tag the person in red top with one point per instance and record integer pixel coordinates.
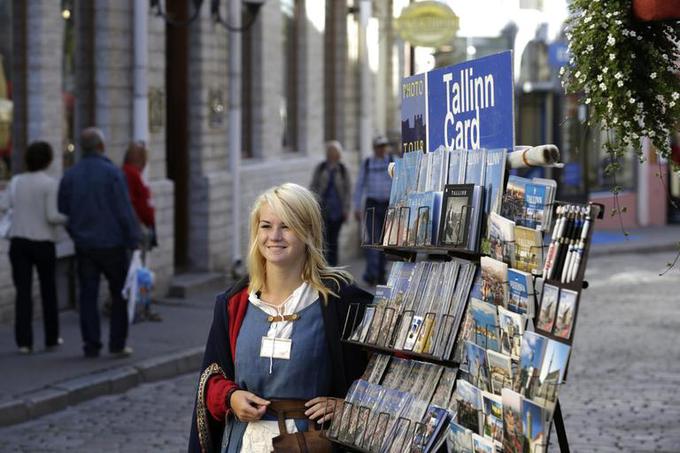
(140, 195)
(134, 162)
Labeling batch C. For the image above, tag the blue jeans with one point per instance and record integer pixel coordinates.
(374, 214)
(113, 263)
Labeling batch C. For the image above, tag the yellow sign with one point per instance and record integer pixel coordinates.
(427, 24)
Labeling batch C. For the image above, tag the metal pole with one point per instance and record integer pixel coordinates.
(140, 112)
(364, 81)
(234, 128)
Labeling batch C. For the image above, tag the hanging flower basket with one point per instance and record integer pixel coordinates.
(651, 10)
(626, 71)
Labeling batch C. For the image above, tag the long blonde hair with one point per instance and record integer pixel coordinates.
(299, 210)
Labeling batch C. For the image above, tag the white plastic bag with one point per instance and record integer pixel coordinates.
(130, 290)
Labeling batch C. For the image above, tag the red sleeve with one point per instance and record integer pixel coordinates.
(218, 387)
(140, 196)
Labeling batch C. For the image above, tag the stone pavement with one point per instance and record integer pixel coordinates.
(31, 386)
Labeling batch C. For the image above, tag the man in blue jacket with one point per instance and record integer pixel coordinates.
(101, 222)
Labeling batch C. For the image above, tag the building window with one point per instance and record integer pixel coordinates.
(288, 106)
(6, 104)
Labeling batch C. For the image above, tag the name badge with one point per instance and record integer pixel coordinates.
(276, 348)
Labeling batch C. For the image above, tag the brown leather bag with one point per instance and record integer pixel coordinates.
(311, 441)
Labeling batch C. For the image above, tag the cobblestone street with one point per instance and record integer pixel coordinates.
(621, 394)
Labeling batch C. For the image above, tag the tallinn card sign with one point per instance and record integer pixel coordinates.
(468, 106)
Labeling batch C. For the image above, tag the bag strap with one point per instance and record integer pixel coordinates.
(302, 443)
(283, 409)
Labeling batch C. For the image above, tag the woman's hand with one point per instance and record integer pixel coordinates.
(247, 406)
(322, 408)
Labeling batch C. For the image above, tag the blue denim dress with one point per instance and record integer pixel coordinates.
(305, 376)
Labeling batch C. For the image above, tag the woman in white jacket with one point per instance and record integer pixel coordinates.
(32, 196)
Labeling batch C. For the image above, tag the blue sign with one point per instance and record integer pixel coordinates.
(470, 105)
(558, 54)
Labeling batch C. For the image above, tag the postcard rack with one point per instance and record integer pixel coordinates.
(571, 240)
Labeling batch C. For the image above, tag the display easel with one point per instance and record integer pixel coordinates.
(410, 254)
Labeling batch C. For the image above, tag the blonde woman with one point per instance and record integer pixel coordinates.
(276, 334)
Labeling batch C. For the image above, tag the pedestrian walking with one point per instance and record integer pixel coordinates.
(94, 195)
(32, 196)
(290, 298)
(331, 182)
(134, 163)
(372, 192)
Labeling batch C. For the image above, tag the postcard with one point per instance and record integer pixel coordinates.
(500, 370)
(535, 431)
(468, 405)
(458, 438)
(482, 445)
(485, 319)
(513, 433)
(566, 312)
(476, 365)
(530, 362)
(548, 308)
(512, 327)
(494, 281)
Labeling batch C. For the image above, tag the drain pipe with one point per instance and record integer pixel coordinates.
(140, 112)
(234, 132)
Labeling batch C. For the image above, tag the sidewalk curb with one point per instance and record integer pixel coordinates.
(639, 248)
(62, 394)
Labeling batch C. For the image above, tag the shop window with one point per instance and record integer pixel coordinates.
(6, 104)
(288, 105)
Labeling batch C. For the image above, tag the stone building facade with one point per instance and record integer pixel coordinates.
(72, 67)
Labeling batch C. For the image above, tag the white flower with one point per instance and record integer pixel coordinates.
(665, 57)
(605, 70)
(631, 100)
(603, 87)
(587, 100)
(675, 95)
(590, 48)
(635, 136)
(652, 134)
(587, 19)
(608, 15)
(639, 38)
(618, 75)
(626, 123)
(625, 32)
(611, 40)
(562, 69)
(612, 56)
(619, 83)
(599, 77)
(633, 34)
(671, 104)
(592, 26)
(615, 121)
(629, 93)
(652, 75)
(578, 74)
(618, 22)
(609, 105)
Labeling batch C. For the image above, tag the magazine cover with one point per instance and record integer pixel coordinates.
(518, 291)
(501, 234)
(535, 198)
(494, 178)
(414, 113)
(476, 167)
(528, 250)
(457, 200)
(512, 206)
